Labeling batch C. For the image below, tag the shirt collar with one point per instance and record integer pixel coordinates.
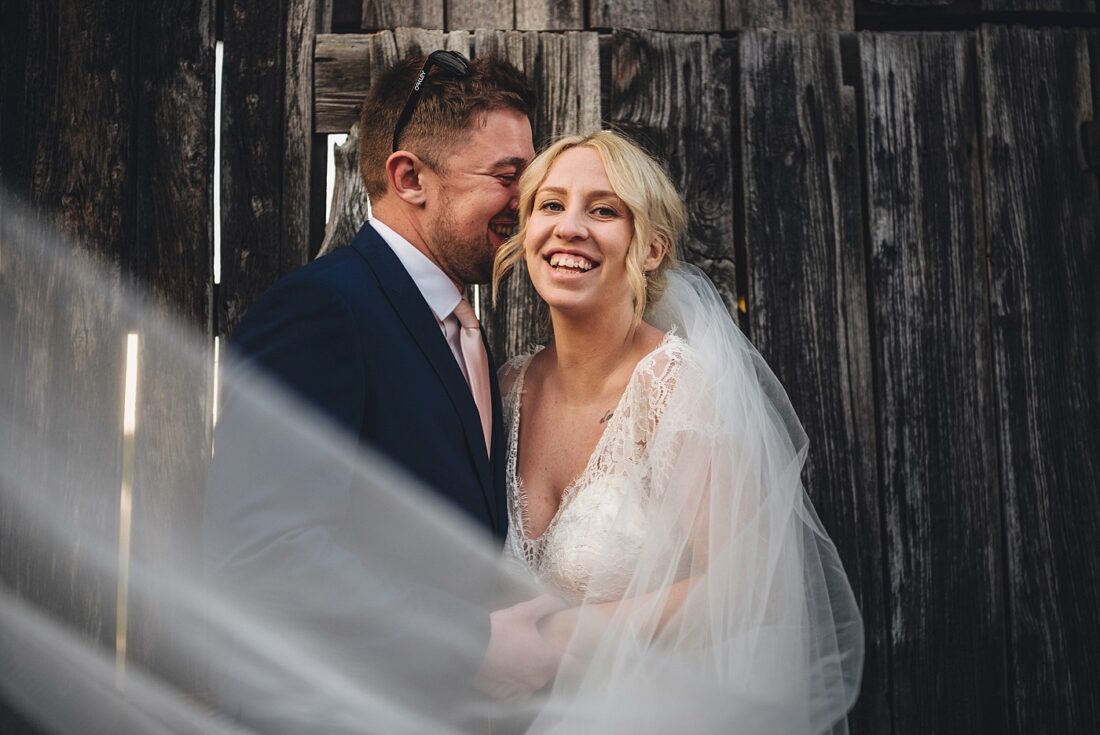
(436, 288)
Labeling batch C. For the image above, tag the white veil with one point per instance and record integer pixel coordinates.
(767, 640)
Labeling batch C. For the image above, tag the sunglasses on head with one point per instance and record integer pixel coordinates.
(451, 63)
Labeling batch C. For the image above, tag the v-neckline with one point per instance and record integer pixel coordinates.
(571, 488)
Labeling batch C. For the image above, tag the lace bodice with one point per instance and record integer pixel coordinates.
(589, 548)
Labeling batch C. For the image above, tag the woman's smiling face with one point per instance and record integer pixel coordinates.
(578, 236)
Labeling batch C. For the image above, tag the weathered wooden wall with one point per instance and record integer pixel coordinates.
(807, 298)
(933, 388)
(906, 224)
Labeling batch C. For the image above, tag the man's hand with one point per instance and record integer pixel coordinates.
(519, 661)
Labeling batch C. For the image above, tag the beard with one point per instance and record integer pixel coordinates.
(466, 257)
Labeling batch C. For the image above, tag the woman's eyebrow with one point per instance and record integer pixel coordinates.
(600, 194)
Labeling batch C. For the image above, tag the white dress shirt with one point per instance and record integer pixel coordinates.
(437, 289)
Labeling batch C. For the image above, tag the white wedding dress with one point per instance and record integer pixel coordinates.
(590, 547)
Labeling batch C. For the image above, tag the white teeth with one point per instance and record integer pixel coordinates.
(571, 261)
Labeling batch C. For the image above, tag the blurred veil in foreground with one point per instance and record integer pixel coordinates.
(109, 622)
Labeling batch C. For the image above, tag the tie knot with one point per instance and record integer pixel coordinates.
(466, 316)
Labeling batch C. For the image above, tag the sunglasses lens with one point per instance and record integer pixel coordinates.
(452, 62)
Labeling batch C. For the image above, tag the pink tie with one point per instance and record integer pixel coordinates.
(477, 365)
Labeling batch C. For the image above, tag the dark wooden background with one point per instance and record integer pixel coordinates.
(897, 198)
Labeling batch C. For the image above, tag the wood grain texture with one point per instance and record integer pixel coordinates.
(1063, 6)
(304, 159)
(657, 15)
(936, 430)
(807, 299)
(269, 158)
(470, 14)
(789, 14)
(550, 15)
(345, 64)
(564, 69)
(674, 94)
(172, 259)
(422, 41)
(67, 164)
(384, 14)
(1043, 219)
(350, 208)
(109, 153)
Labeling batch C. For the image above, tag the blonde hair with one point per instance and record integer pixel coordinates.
(640, 182)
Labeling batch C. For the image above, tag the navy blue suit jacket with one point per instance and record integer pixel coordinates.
(351, 336)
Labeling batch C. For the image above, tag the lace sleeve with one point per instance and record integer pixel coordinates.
(507, 377)
(670, 386)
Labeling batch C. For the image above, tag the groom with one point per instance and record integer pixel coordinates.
(378, 338)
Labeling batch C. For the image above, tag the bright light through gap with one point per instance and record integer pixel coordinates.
(126, 502)
(217, 162)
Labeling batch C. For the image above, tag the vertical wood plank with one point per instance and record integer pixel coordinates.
(658, 15)
(383, 14)
(936, 429)
(674, 94)
(565, 71)
(173, 256)
(67, 117)
(267, 153)
(791, 14)
(304, 156)
(549, 15)
(1043, 218)
(470, 14)
(807, 299)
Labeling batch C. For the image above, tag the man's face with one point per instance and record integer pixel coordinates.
(474, 209)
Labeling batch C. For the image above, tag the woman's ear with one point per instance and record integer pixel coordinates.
(656, 253)
(403, 171)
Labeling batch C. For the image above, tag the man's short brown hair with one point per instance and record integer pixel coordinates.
(442, 115)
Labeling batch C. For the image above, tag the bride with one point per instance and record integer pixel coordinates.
(654, 475)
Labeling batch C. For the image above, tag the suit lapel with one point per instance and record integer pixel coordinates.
(413, 311)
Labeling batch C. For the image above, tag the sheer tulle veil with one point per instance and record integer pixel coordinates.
(767, 640)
